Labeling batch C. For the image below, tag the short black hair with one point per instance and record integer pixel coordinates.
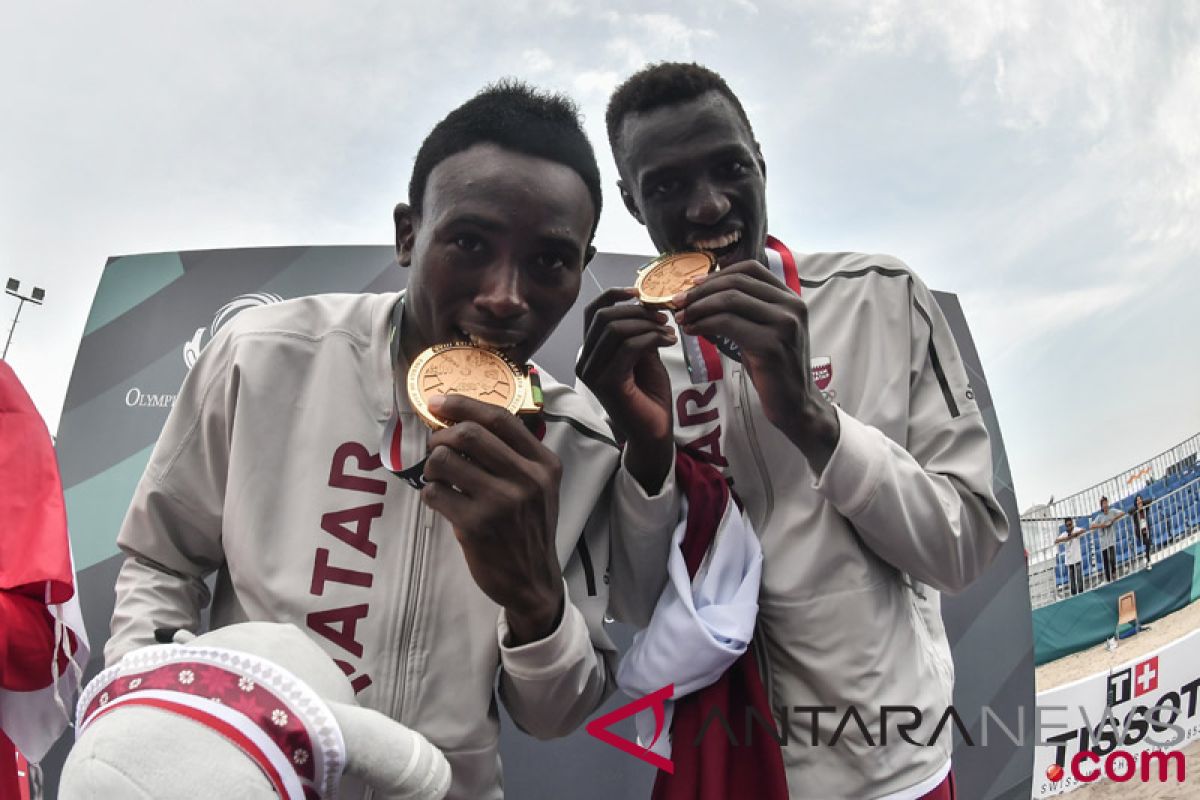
(665, 84)
(517, 117)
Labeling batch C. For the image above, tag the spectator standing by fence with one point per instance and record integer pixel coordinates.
(1073, 554)
(1103, 523)
(1141, 521)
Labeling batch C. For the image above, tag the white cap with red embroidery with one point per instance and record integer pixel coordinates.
(253, 710)
(270, 714)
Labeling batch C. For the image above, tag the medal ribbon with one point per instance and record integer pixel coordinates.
(702, 356)
(390, 446)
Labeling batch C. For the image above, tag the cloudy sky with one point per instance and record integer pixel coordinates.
(1041, 160)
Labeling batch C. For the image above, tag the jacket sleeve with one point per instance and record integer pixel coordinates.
(551, 686)
(171, 535)
(642, 526)
(926, 506)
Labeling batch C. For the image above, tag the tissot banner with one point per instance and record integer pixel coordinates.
(154, 313)
(1127, 725)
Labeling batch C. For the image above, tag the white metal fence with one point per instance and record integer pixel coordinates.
(1169, 485)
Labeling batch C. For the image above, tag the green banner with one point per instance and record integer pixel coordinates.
(1088, 619)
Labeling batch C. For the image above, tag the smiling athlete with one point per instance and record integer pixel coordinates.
(270, 470)
(828, 390)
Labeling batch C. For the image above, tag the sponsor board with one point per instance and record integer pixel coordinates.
(1126, 724)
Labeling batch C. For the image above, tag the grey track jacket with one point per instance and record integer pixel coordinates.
(268, 473)
(850, 615)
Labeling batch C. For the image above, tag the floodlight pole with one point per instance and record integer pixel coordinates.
(36, 300)
(13, 327)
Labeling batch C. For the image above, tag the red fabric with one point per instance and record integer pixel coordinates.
(397, 438)
(944, 791)
(713, 768)
(35, 566)
(712, 359)
(790, 274)
(707, 496)
(35, 550)
(9, 788)
(26, 642)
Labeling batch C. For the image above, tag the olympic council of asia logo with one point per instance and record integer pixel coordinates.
(202, 336)
(137, 398)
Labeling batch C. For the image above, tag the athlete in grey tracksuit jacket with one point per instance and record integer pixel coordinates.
(268, 473)
(849, 609)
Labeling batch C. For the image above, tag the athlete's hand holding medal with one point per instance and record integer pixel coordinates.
(492, 478)
(619, 362)
(743, 308)
(748, 309)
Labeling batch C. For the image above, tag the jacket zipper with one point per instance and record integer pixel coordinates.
(743, 403)
(410, 610)
(396, 672)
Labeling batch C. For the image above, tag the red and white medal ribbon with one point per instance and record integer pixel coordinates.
(781, 262)
(391, 445)
(702, 356)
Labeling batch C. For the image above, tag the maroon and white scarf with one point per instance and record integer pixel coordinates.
(695, 631)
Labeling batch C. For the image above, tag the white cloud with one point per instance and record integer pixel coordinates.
(537, 60)
(626, 52)
(562, 8)
(668, 32)
(594, 84)
(1095, 70)
(1014, 320)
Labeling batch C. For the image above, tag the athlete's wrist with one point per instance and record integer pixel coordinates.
(815, 431)
(528, 625)
(649, 462)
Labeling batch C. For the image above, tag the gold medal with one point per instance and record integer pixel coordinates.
(667, 276)
(482, 373)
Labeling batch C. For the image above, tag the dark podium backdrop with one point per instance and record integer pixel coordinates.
(153, 313)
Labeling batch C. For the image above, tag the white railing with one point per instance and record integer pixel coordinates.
(1178, 461)
(1109, 554)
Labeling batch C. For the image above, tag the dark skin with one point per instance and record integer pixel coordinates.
(694, 176)
(498, 486)
(497, 254)
(620, 364)
(1070, 533)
